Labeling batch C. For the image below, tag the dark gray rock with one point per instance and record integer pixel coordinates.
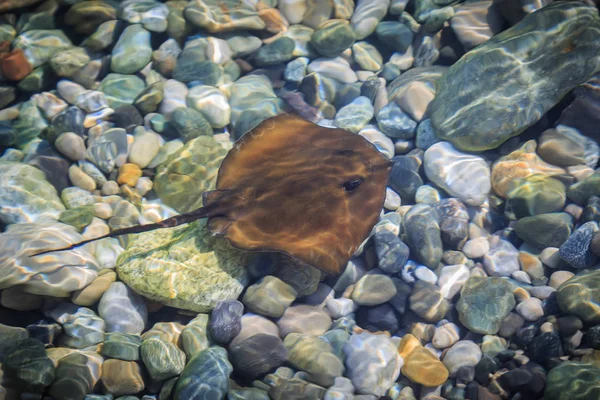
(377, 318)
(423, 234)
(226, 320)
(576, 249)
(545, 230)
(404, 178)
(535, 74)
(127, 117)
(257, 355)
(392, 253)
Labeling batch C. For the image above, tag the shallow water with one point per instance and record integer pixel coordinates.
(479, 281)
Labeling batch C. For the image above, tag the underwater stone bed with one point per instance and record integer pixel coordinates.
(479, 281)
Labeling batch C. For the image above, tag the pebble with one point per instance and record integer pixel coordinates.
(445, 335)
(476, 248)
(423, 234)
(205, 376)
(304, 319)
(464, 353)
(531, 309)
(372, 363)
(81, 179)
(76, 375)
(270, 297)
(354, 116)
(315, 356)
(559, 277)
(373, 289)
(122, 377)
(332, 37)
(257, 355)
(427, 302)
(134, 39)
(122, 346)
(367, 15)
(576, 249)
(91, 294)
(451, 279)
(129, 174)
(423, 367)
(336, 67)
(502, 259)
(212, 103)
(226, 320)
(162, 359)
(122, 309)
(338, 308)
(462, 175)
(253, 324)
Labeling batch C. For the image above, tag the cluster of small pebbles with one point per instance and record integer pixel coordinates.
(479, 282)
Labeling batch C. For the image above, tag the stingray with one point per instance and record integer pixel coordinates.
(293, 187)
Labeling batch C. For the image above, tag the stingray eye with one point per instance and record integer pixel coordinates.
(351, 185)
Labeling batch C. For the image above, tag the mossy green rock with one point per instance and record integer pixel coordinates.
(123, 346)
(188, 124)
(189, 172)
(184, 267)
(277, 52)
(162, 359)
(132, 51)
(580, 296)
(511, 68)
(483, 304)
(39, 45)
(536, 194)
(573, 381)
(582, 191)
(332, 37)
(28, 366)
(121, 90)
(26, 195)
(29, 125)
(78, 217)
(545, 230)
(205, 377)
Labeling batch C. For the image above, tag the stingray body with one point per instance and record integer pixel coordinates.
(293, 187)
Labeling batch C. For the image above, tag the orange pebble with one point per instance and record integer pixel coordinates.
(129, 174)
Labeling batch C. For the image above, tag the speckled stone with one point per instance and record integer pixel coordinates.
(484, 302)
(207, 268)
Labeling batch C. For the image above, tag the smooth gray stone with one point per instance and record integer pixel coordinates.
(499, 89)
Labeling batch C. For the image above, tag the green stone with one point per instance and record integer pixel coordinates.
(76, 376)
(27, 365)
(367, 57)
(39, 79)
(69, 61)
(252, 100)
(536, 194)
(162, 359)
(189, 124)
(121, 90)
(332, 37)
(178, 27)
(242, 43)
(39, 45)
(41, 18)
(132, 51)
(29, 125)
(87, 16)
(7, 32)
(103, 37)
(124, 346)
(190, 171)
(26, 195)
(184, 267)
(149, 99)
(301, 36)
(573, 381)
(479, 114)
(277, 52)
(205, 377)
(395, 34)
(315, 356)
(580, 296)
(223, 15)
(483, 304)
(9, 337)
(269, 296)
(582, 191)
(545, 230)
(192, 67)
(78, 217)
(194, 337)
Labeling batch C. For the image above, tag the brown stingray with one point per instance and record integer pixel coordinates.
(293, 187)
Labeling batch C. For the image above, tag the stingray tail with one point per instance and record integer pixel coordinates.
(203, 212)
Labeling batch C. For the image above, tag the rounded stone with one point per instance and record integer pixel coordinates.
(270, 297)
(580, 296)
(122, 377)
(304, 319)
(483, 304)
(122, 309)
(463, 353)
(424, 368)
(332, 37)
(257, 355)
(162, 359)
(226, 320)
(132, 51)
(373, 289)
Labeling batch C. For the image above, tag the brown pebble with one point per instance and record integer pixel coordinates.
(122, 377)
(13, 64)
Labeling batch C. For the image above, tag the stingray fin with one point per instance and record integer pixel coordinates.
(219, 225)
(212, 197)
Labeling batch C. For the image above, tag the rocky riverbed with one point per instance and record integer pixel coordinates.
(480, 281)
